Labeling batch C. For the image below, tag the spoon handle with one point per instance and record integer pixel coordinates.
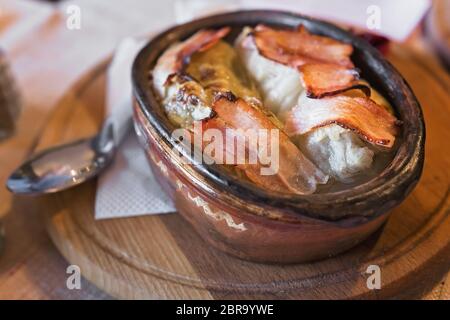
(107, 137)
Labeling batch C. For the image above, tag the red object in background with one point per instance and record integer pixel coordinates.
(378, 41)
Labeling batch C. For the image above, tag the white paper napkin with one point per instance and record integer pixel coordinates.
(186, 10)
(393, 19)
(128, 187)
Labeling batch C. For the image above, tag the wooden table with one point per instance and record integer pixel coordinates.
(30, 266)
(44, 63)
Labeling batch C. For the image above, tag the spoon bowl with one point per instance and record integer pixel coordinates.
(65, 166)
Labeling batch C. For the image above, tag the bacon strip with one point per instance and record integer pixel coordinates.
(324, 63)
(298, 47)
(361, 115)
(323, 79)
(295, 173)
(174, 59)
(199, 42)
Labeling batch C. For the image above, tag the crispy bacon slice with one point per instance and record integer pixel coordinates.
(324, 79)
(298, 47)
(324, 63)
(199, 42)
(370, 121)
(295, 172)
(173, 60)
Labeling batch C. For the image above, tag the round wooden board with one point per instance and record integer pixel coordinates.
(162, 257)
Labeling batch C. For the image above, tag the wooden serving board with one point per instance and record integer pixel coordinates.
(162, 257)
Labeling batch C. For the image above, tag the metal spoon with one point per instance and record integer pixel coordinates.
(65, 166)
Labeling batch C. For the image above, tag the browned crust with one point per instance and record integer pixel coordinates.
(346, 125)
(359, 86)
(201, 41)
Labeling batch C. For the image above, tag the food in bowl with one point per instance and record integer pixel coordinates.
(335, 130)
(234, 214)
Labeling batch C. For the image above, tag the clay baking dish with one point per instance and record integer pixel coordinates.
(248, 222)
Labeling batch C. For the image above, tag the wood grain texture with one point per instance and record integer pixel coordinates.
(162, 257)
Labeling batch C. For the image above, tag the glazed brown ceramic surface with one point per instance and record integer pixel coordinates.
(248, 222)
